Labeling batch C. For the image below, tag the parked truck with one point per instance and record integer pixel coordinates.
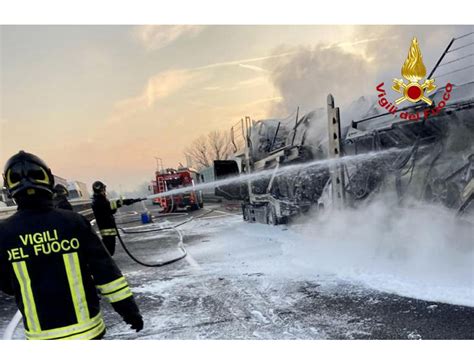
(78, 191)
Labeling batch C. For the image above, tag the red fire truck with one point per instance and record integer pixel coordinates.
(171, 179)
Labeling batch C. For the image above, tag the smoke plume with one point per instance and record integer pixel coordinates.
(305, 78)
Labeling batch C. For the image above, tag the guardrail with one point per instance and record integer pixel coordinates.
(7, 211)
(82, 207)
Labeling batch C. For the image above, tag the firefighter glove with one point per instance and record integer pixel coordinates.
(135, 321)
(130, 313)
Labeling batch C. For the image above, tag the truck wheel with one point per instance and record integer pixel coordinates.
(283, 220)
(200, 200)
(271, 216)
(245, 213)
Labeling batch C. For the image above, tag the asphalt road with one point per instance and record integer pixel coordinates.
(222, 290)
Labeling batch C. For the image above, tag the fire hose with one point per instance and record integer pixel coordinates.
(180, 244)
(155, 265)
(8, 334)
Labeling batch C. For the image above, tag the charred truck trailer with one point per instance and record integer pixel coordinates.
(429, 159)
(270, 145)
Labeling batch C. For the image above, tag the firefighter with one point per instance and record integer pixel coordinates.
(54, 264)
(60, 195)
(104, 211)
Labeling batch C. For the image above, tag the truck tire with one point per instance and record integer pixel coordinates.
(245, 212)
(200, 200)
(271, 216)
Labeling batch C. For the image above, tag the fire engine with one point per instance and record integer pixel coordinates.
(171, 179)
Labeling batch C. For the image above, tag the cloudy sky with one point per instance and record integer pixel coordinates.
(100, 102)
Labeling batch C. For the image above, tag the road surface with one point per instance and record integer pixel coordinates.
(237, 282)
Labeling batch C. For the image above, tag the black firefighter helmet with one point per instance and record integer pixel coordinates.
(27, 172)
(60, 190)
(98, 187)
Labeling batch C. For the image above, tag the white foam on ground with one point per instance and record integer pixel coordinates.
(417, 251)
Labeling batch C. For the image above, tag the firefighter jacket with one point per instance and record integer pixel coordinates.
(61, 202)
(104, 211)
(54, 265)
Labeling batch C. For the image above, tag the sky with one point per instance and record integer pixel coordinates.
(101, 102)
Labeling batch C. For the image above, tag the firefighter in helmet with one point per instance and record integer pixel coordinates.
(54, 264)
(60, 195)
(104, 211)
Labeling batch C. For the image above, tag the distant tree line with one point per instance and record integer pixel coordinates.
(206, 148)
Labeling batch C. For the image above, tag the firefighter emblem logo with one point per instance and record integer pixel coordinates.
(413, 70)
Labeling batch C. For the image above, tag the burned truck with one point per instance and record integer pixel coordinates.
(424, 152)
(269, 145)
(346, 157)
(430, 160)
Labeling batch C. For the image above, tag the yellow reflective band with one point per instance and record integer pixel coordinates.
(119, 295)
(96, 331)
(10, 184)
(45, 180)
(21, 273)
(61, 332)
(113, 205)
(108, 232)
(74, 277)
(113, 286)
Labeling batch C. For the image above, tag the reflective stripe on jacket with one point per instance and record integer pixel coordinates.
(104, 211)
(108, 232)
(54, 264)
